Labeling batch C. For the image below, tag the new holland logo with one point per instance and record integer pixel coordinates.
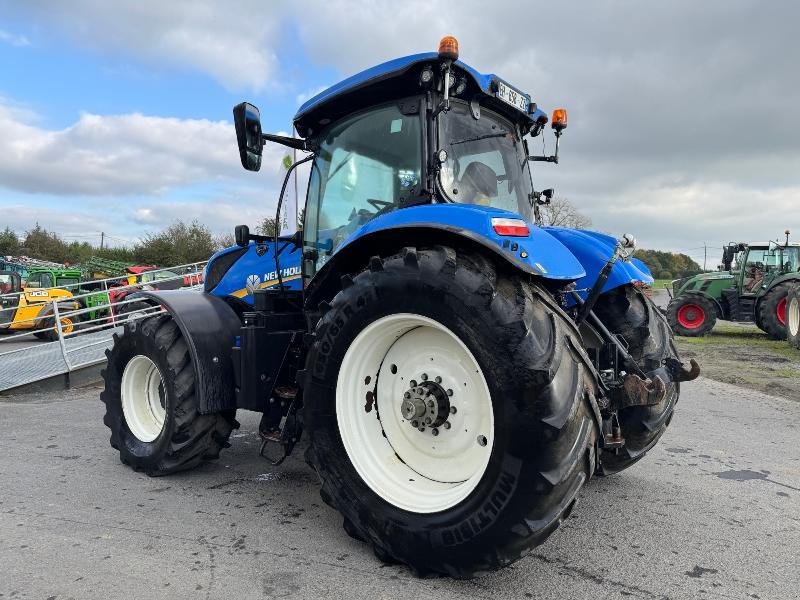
(252, 283)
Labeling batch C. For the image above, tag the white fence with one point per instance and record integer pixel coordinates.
(73, 332)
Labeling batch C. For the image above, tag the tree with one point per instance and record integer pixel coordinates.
(178, 244)
(226, 240)
(44, 245)
(562, 213)
(668, 265)
(9, 242)
(267, 226)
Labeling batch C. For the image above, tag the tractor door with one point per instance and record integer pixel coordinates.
(369, 163)
(10, 288)
(753, 272)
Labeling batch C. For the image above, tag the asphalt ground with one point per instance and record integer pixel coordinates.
(712, 512)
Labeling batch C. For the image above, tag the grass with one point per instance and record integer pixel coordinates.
(742, 335)
(660, 284)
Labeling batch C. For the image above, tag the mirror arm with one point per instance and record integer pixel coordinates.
(550, 159)
(296, 143)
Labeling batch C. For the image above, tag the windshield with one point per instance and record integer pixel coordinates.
(486, 161)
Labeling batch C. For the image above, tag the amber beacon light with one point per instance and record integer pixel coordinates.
(448, 47)
(559, 120)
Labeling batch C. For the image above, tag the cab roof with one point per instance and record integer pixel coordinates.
(313, 111)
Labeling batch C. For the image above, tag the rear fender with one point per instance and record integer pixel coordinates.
(593, 250)
(209, 326)
(458, 225)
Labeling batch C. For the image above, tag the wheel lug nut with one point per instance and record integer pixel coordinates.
(422, 428)
(449, 392)
(446, 424)
(428, 420)
(482, 440)
(438, 379)
(413, 383)
(435, 431)
(407, 395)
(431, 403)
(453, 410)
(415, 423)
(424, 377)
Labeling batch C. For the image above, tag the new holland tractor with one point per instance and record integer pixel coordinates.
(460, 371)
(752, 286)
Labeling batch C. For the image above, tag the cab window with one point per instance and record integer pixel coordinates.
(67, 282)
(367, 165)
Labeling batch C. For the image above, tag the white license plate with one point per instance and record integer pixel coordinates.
(511, 96)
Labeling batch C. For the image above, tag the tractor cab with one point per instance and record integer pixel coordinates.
(418, 130)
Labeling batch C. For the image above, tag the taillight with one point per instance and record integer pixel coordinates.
(512, 227)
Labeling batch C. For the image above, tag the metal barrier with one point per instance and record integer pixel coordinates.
(74, 331)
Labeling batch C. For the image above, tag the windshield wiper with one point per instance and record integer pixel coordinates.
(486, 136)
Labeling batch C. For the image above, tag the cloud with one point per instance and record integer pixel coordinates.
(19, 41)
(683, 124)
(119, 155)
(231, 42)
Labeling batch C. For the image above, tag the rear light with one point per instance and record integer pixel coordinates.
(512, 227)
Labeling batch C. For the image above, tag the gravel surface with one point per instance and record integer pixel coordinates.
(712, 512)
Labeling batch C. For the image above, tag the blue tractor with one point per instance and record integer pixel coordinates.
(459, 370)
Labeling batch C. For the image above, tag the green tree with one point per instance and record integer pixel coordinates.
(267, 226)
(176, 245)
(9, 242)
(44, 245)
(667, 265)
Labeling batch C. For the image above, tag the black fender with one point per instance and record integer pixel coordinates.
(356, 254)
(210, 326)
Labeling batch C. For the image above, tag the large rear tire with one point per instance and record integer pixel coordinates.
(627, 312)
(499, 474)
(691, 315)
(151, 405)
(793, 316)
(772, 311)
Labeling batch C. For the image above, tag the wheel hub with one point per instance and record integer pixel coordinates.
(426, 404)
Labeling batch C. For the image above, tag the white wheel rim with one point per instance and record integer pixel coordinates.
(794, 316)
(143, 398)
(417, 471)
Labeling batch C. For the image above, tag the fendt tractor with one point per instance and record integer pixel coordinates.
(751, 286)
(460, 370)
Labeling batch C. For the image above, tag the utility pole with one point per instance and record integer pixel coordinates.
(102, 239)
(705, 255)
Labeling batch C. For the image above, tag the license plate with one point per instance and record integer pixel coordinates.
(511, 96)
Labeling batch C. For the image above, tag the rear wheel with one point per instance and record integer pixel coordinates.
(151, 405)
(625, 311)
(772, 310)
(793, 316)
(449, 409)
(691, 315)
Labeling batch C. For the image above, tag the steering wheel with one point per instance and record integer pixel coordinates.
(379, 204)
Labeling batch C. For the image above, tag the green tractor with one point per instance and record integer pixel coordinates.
(752, 286)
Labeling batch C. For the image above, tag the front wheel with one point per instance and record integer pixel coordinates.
(449, 409)
(152, 409)
(793, 316)
(691, 315)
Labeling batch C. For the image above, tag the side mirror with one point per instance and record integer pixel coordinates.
(548, 193)
(247, 120)
(241, 234)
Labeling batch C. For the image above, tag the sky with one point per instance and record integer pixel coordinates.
(116, 116)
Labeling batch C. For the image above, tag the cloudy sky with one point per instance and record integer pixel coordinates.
(115, 116)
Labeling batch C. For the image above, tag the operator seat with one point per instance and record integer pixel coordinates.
(478, 184)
